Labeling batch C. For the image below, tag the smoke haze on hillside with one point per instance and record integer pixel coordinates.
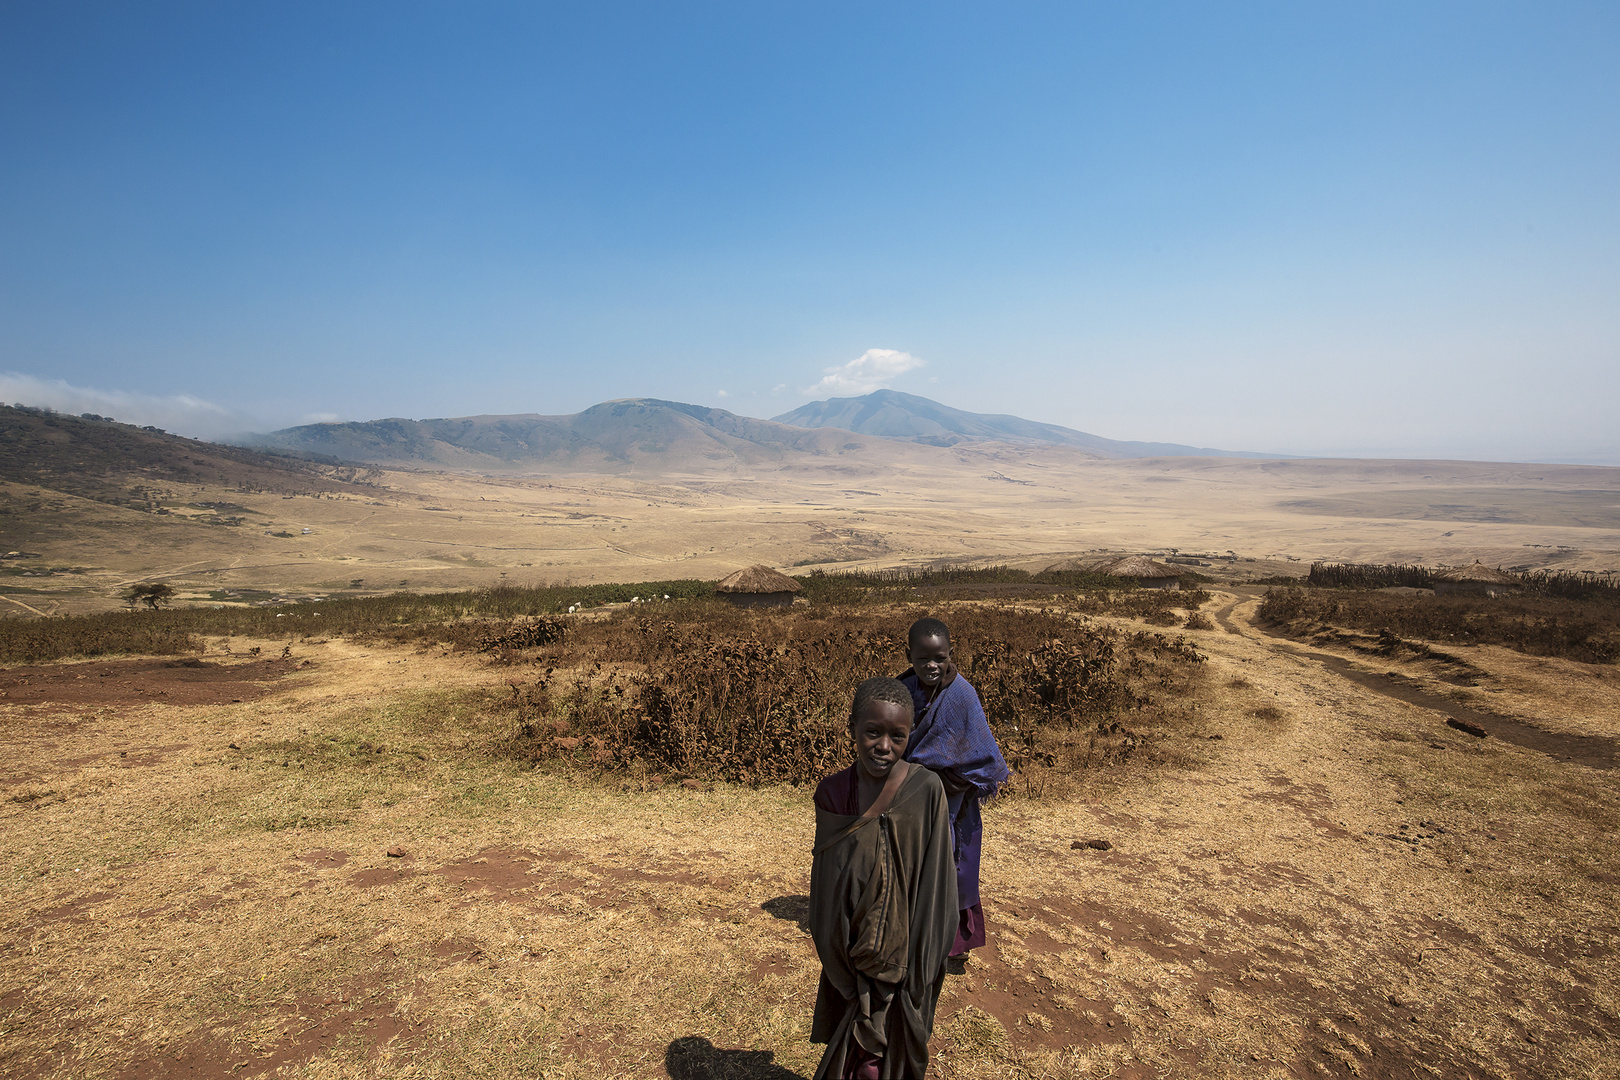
(179, 413)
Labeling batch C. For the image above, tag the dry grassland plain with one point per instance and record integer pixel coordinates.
(194, 854)
(431, 531)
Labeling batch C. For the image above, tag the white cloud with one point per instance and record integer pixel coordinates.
(724, 394)
(182, 414)
(321, 418)
(874, 369)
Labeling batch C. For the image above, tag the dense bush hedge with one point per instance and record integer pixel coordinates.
(765, 698)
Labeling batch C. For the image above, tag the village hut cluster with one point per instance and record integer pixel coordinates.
(757, 586)
(1145, 572)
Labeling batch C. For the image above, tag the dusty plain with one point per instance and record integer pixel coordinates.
(197, 882)
(194, 854)
(1029, 507)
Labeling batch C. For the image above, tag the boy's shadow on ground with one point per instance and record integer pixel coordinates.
(793, 909)
(696, 1058)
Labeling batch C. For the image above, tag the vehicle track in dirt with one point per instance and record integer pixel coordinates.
(1589, 750)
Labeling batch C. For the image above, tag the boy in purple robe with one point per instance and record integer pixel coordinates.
(952, 738)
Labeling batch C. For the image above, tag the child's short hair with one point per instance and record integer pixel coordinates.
(880, 688)
(927, 628)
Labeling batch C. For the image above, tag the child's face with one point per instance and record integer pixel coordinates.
(881, 729)
(928, 658)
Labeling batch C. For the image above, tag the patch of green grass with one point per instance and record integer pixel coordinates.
(480, 797)
(299, 819)
(223, 508)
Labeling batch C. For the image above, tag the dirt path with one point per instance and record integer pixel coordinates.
(1589, 750)
(29, 607)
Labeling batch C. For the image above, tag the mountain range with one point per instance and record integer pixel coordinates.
(631, 435)
(647, 435)
(894, 415)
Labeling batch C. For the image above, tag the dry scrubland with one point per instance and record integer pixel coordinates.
(1307, 875)
(243, 540)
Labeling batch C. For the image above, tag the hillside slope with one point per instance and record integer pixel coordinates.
(894, 415)
(634, 435)
(101, 460)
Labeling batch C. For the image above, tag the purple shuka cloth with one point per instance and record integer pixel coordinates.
(838, 793)
(952, 737)
(969, 930)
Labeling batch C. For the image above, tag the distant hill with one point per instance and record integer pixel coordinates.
(894, 415)
(649, 436)
(628, 436)
(100, 459)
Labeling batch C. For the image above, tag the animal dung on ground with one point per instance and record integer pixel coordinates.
(1472, 729)
(1094, 845)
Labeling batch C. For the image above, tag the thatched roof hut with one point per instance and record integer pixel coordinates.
(1477, 578)
(757, 586)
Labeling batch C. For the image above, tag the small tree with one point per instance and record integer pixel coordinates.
(152, 594)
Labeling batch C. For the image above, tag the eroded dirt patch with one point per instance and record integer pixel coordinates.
(495, 871)
(134, 682)
(364, 1021)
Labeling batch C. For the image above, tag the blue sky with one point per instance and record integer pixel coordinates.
(1369, 229)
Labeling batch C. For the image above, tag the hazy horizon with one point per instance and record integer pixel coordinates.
(1382, 231)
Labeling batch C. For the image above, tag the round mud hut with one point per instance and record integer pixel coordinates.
(1478, 579)
(1144, 571)
(757, 586)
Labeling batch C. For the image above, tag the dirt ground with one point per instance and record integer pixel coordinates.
(129, 682)
(312, 867)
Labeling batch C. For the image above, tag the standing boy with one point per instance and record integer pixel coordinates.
(882, 898)
(951, 737)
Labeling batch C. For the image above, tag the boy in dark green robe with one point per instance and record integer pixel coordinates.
(883, 908)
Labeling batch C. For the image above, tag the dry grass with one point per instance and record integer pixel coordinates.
(193, 905)
(192, 917)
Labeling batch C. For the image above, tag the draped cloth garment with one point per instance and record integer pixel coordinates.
(951, 736)
(883, 913)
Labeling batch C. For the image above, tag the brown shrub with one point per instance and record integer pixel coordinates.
(32, 641)
(526, 634)
(1147, 604)
(764, 698)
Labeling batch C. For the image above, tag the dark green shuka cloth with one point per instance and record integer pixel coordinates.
(883, 916)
